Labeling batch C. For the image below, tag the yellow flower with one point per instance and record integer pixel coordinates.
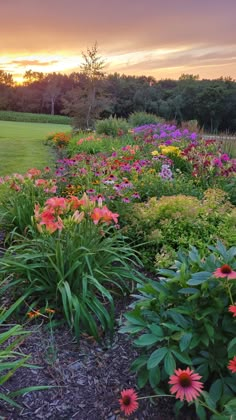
(165, 150)
(154, 153)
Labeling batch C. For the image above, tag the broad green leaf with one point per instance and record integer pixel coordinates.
(232, 347)
(142, 377)
(132, 329)
(183, 358)
(201, 412)
(199, 278)
(155, 329)
(216, 390)
(169, 363)
(185, 341)
(134, 318)
(178, 318)
(156, 357)
(210, 402)
(146, 340)
(189, 291)
(154, 376)
(139, 363)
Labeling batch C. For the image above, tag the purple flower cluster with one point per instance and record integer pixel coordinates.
(166, 172)
(167, 132)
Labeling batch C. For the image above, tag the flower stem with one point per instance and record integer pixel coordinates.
(229, 291)
(157, 395)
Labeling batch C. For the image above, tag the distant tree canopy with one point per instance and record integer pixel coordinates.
(91, 94)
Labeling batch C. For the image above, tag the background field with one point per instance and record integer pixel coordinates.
(29, 117)
(21, 145)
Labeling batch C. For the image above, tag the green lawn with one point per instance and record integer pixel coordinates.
(21, 145)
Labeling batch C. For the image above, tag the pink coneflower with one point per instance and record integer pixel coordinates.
(232, 308)
(125, 200)
(128, 401)
(186, 384)
(232, 365)
(225, 271)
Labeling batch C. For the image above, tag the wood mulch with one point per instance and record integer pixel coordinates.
(86, 377)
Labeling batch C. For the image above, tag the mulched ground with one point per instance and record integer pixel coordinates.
(87, 376)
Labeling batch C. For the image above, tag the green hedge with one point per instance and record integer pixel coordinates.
(38, 118)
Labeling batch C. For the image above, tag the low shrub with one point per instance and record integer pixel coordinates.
(93, 144)
(137, 119)
(166, 224)
(112, 126)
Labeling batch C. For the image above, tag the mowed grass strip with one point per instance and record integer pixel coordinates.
(21, 146)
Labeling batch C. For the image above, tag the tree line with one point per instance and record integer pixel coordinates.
(91, 94)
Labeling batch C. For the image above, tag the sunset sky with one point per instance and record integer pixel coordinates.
(162, 38)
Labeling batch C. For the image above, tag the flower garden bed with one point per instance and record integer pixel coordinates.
(77, 239)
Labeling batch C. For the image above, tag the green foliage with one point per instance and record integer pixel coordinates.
(11, 359)
(112, 126)
(182, 320)
(150, 185)
(77, 270)
(176, 221)
(228, 228)
(139, 118)
(17, 205)
(229, 185)
(34, 118)
(93, 143)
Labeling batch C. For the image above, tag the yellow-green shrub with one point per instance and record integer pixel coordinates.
(174, 222)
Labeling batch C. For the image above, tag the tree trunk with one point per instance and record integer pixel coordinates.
(52, 106)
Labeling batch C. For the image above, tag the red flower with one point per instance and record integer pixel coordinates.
(104, 215)
(232, 308)
(128, 401)
(56, 203)
(225, 271)
(232, 365)
(185, 384)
